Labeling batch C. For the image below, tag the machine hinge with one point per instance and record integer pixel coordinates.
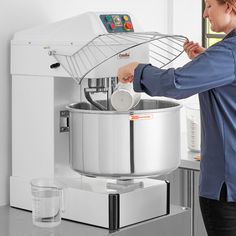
(64, 121)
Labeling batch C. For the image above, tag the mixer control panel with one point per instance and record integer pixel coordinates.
(115, 23)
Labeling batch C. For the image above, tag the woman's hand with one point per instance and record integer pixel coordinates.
(126, 73)
(192, 49)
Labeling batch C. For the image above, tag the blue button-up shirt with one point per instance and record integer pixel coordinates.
(212, 76)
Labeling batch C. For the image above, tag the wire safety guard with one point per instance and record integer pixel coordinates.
(163, 49)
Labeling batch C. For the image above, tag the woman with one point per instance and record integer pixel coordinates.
(211, 74)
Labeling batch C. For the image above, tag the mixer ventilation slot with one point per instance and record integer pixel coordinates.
(163, 49)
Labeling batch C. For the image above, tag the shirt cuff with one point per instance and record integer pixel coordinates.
(138, 72)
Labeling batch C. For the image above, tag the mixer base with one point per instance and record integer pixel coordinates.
(88, 200)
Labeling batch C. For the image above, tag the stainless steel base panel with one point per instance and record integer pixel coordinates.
(115, 209)
(177, 223)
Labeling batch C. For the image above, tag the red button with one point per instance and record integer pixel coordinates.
(112, 26)
(128, 25)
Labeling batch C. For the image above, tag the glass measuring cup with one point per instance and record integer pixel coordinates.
(47, 202)
(193, 127)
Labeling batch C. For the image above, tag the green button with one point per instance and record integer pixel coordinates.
(108, 18)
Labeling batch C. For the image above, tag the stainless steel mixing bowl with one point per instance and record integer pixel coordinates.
(144, 141)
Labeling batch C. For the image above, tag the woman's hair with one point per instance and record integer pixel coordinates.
(231, 2)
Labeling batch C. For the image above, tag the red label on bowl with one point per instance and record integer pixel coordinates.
(140, 117)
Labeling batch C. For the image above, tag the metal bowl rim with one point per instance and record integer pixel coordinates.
(130, 112)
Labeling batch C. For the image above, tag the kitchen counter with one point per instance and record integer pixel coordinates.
(15, 222)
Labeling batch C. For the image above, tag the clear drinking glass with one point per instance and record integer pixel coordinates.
(47, 202)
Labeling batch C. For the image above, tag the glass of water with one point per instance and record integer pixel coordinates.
(47, 202)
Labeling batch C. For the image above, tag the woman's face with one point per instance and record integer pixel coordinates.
(218, 15)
